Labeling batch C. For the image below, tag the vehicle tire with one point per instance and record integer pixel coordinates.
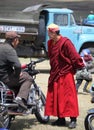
(5, 119)
(41, 32)
(40, 110)
(89, 122)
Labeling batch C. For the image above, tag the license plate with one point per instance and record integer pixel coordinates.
(12, 28)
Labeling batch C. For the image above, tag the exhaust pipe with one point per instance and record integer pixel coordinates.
(9, 105)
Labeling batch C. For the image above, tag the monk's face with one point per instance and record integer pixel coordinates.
(52, 35)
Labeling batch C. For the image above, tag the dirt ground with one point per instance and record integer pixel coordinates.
(30, 122)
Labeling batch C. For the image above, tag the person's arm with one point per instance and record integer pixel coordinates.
(14, 62)
(73, 55)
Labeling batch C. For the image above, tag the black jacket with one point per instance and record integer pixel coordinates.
(9, 63)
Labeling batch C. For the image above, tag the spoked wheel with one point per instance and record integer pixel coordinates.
(89, 122)
(40, 110)
(5, 119)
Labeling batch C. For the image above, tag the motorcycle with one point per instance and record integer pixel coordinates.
(89, 119)
(35, 103)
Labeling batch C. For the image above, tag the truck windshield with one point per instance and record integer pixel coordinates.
(62, 19)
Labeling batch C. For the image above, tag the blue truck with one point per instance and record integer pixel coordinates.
(34, 35)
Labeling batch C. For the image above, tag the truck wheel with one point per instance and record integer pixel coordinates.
(41, 32)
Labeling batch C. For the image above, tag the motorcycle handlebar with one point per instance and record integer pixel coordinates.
(32, 63)
(38, 61)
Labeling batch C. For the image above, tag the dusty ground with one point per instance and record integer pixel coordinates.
(30, 122)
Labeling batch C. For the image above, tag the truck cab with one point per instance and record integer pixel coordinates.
(81, 36)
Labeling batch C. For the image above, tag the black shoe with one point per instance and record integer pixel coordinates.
(59, 122)
(92, 100)
(21, 103)
(72, 125)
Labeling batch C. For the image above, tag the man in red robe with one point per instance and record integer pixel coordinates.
(64, 61)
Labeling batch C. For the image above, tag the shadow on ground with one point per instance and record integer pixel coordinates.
(20, 124)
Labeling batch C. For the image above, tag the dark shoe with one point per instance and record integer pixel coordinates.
(92, 100)
(72, 125)
(21, 103)
(59, 122)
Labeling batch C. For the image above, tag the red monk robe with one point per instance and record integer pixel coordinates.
(61, 96)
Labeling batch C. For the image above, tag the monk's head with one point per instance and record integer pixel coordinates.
(53, 31)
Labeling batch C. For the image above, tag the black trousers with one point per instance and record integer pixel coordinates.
(21, 85)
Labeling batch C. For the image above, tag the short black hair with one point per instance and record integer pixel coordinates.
(58, 32)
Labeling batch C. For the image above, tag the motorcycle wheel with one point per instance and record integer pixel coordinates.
(5, 119)
(89, 122)
(40, 110)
